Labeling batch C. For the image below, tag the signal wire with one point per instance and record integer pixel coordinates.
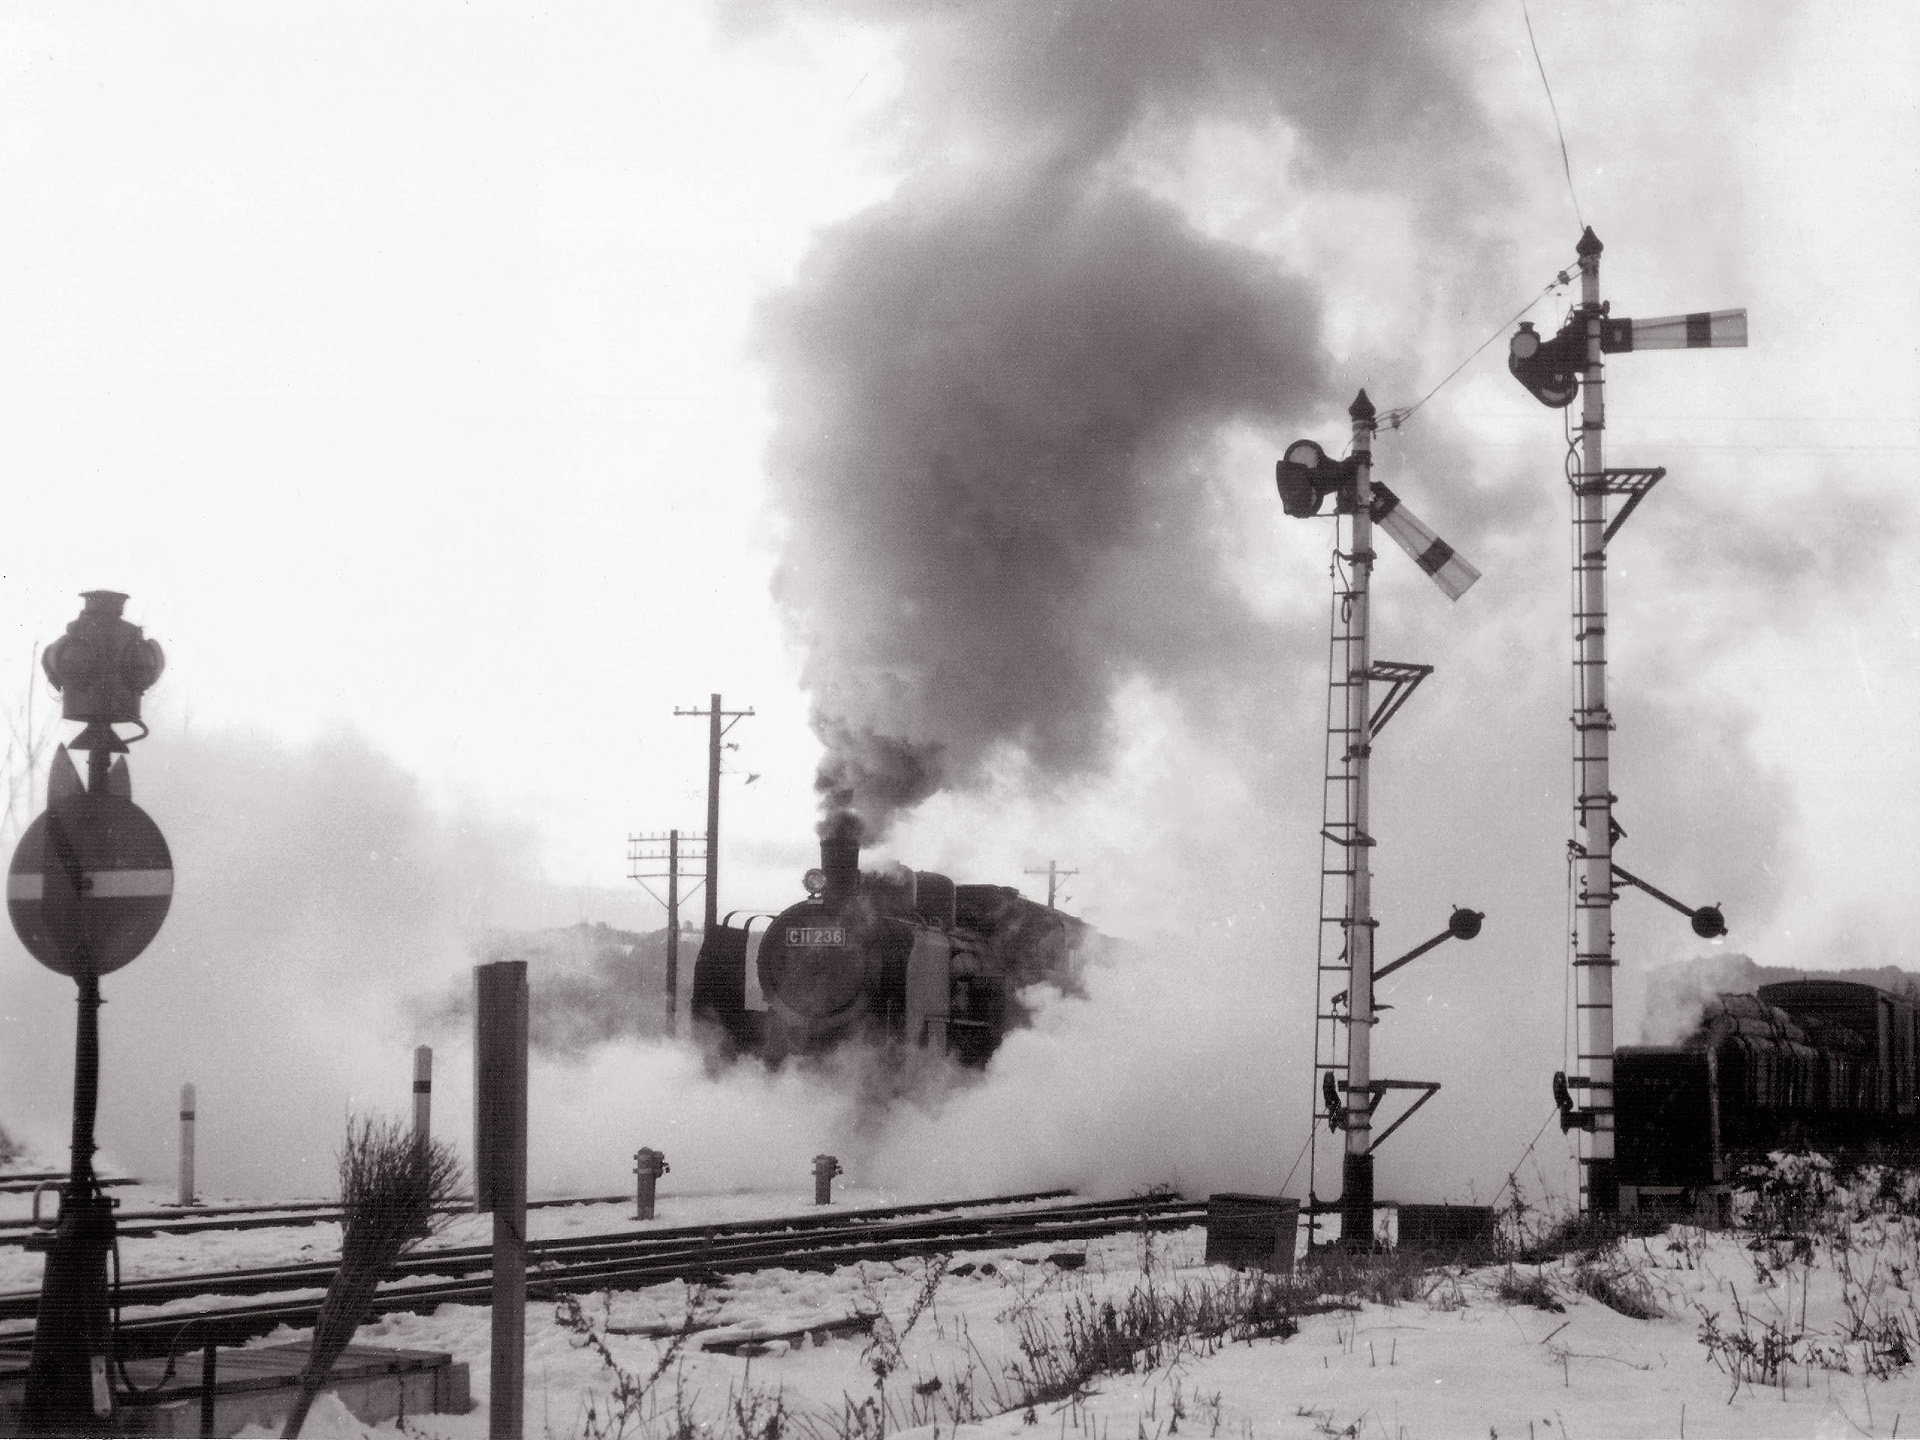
(1514, 1172)
(1565, 164)
(1393, 419)
(1313, 1127)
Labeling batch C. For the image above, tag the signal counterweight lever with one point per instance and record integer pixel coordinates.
(1707, 921)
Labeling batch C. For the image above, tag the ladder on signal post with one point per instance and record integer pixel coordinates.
(1340, 837)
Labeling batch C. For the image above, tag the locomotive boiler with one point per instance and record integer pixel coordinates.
(896, 957)
(1817, 1064)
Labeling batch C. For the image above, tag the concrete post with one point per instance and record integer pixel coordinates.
(186, 1144)
(423, 1093)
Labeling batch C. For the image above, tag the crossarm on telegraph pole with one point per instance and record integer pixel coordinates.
(719, 722)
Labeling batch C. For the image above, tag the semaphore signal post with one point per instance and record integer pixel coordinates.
(1346, 1091)
(1555, 371)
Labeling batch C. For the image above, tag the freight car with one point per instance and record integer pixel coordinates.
(1821, 1064)
(899, 957)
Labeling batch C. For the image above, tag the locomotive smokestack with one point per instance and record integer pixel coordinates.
(840, 857)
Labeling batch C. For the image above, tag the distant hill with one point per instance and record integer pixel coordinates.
(586, 984)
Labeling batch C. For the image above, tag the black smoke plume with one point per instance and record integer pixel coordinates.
(1000, 392)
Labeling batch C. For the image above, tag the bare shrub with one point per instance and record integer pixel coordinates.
(1620, 1284)
(1385, 1277)
(1516, 1288)
(392, 1187)
(631, 1400)
(1149, 1328)
(1790, 1193)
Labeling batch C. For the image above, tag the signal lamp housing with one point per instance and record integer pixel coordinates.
(1306, 477)
(103, 664)
(1550, 369)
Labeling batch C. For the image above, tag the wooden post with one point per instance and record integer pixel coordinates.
(500, 1175)
(423, 1094)
(186, 1144)
(209, 1386)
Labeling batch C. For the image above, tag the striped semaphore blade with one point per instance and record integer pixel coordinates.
(1450, 571)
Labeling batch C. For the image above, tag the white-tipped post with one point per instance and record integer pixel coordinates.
(186, 1144)
(423, 1093)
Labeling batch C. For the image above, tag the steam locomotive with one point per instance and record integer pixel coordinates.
(1825, 1064)
(900, 957)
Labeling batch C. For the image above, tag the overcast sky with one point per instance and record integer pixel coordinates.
(487, 385)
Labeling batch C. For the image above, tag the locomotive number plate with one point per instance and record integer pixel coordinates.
(816, 935)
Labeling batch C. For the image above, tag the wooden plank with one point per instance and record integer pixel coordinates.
(500, 1176)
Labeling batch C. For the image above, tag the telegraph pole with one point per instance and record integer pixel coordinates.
(645, 850)
(1054, 875)
(719, 723)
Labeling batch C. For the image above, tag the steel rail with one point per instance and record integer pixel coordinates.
(819, 1247)
(142, 1224)
(478, 1259)
(585, 1255)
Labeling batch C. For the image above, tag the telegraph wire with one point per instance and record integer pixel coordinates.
(1565, 164)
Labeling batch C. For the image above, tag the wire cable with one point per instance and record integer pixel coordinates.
(1303, 1150)
(1565, 164)
(1515, 1169)
(1395, 418)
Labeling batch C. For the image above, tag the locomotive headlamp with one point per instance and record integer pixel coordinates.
(1305, 477)
(814, 881)
(101, 667)
(1708, 923)
(1550, 369)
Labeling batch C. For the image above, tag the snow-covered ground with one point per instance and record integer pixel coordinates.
(1743, 1336)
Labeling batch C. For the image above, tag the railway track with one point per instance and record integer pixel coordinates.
(140, 1224)
(624, 1261)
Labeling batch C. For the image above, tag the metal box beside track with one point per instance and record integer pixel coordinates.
(1252, 1231)
(1464, 1232)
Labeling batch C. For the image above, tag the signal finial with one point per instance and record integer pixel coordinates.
(1361, 409)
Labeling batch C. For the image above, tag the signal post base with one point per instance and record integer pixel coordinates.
(69, 1390)
(1356, 1203)
(1603, 1187)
